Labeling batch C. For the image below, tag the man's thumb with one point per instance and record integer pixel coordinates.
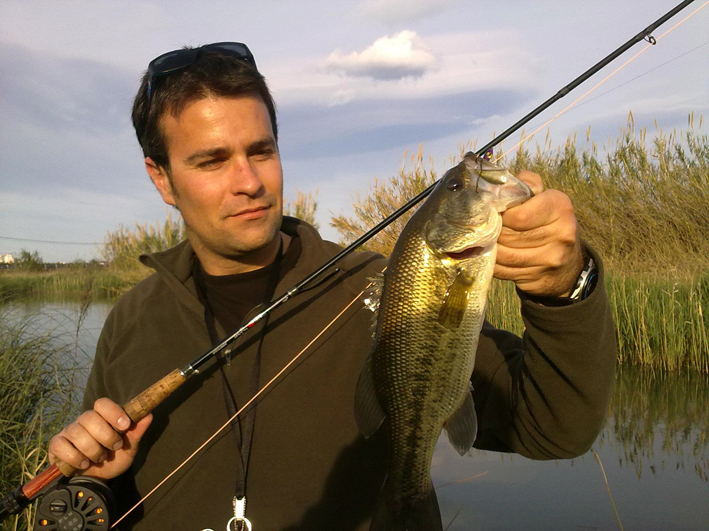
(135, 433)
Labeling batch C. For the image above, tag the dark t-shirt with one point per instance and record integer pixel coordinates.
(232, 297)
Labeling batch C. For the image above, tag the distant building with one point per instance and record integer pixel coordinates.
(7, 259)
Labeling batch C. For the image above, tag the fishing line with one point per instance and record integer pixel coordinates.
(641, 75)
(228, 422)
(652, 42)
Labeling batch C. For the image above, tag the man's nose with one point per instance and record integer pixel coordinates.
(245, 179)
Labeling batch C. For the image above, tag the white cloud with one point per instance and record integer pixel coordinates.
(340, 97)
(393, 11)
(403, 55)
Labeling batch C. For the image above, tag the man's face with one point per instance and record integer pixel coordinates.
(226, 177)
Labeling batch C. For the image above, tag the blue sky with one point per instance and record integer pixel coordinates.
(357, 83)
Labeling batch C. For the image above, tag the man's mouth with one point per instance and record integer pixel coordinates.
(251, 212)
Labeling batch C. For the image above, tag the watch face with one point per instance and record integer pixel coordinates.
(591, 282)
(586, 282)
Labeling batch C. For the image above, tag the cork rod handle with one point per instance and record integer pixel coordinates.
(136, 409)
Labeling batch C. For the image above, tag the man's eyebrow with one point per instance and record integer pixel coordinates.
(259, 145)
(206, 153)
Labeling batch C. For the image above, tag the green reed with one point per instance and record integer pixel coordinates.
(121, 248)
(38, 395)
(642, 202)
(660, 324)
(69, 283)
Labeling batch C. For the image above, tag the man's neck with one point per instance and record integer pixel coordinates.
(220, 265)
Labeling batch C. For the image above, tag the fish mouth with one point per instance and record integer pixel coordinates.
(469, 252)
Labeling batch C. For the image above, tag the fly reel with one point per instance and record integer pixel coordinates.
(75, 504)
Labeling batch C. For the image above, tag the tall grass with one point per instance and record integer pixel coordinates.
(121, 248)
(69, 283)
(383, 198)
(662, 323)
(643, 204)
(303, 207)
(38, 395)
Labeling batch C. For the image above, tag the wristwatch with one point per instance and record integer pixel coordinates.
(586, 282)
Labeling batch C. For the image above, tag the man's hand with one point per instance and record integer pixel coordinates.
(538, 248)
(101, 443)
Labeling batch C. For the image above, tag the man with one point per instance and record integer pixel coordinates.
(207, 126)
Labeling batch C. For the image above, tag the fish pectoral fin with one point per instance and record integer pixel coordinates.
(456, 301)
(462, 426)
(369, 414)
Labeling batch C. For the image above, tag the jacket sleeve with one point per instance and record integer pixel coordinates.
(546, 395)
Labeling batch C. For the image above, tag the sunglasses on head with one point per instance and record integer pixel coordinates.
(177, 60)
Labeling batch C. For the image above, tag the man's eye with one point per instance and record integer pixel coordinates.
(209, 163)
(264, 153)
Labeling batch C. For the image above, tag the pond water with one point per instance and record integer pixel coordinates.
(654, 450)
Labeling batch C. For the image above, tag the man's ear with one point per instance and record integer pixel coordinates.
(161, 181)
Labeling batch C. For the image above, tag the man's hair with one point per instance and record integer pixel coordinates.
(212, 74)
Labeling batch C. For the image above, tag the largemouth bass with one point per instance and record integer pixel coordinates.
(430, 314)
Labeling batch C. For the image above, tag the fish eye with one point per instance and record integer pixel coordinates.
(455, 184)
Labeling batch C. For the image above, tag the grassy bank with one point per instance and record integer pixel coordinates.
(661, 324)
(69, 283)
(38, 369)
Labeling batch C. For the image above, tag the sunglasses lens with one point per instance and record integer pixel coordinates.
(172, 61)
(235, 49)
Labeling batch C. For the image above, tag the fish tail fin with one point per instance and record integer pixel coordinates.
(421, 514)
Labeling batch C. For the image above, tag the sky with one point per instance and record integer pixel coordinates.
(357, 84)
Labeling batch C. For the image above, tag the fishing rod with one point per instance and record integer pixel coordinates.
(140, 406)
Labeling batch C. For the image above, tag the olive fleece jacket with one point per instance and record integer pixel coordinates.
(543, 396)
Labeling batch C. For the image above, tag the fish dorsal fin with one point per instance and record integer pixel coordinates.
(456, 300)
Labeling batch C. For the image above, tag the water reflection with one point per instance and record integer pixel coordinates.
(655, 451)
(659, 422)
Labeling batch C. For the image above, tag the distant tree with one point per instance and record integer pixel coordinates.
(29, 261)
(303, 207)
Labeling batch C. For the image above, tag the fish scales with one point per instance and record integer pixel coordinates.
(420, 367)
(431, 312)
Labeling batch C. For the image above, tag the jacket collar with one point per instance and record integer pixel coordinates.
(176, 264)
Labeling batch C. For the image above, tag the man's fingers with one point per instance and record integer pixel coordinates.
(543, 209)
(100, 430)
(112, 413)
(536, 237)
(518, 275)
(533, 180)
(61, 449)
(547, 256)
